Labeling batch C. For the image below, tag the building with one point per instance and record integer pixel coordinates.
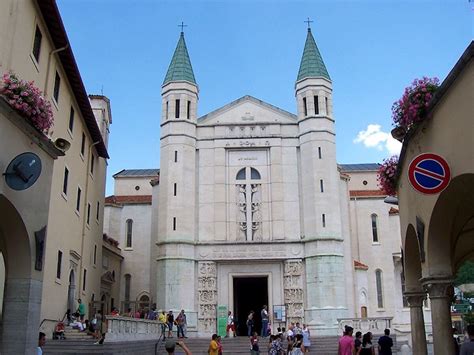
(35, 46)
(250, 197)
(437, 225)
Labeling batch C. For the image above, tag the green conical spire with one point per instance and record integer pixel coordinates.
(180, 68)
(312, 65)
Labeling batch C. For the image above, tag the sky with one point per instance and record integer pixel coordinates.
(372, 50)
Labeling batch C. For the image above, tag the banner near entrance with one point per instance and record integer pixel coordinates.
(429, 173)
(221, 320)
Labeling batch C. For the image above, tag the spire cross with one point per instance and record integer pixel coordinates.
(182, 26)
(308, 21)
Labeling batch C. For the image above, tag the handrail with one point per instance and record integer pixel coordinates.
(47, 319)
(157, 344)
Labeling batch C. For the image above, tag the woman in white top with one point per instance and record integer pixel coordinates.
(306, 341)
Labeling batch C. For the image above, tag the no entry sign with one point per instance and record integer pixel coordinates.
(429, 173)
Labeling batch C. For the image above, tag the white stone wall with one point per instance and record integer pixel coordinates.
(133, 185)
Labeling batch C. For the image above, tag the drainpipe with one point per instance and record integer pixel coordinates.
(54, 51)
(84, 217)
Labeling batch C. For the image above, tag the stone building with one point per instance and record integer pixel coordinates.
(437, 226)
(251, 208)
(35, 46)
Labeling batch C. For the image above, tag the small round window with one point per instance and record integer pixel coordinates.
(137, 187)
(364, 182)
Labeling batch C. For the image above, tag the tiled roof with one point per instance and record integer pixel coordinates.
(137, 173)
(180, 68)
(128, 199)
(360, 266)
(393, 211)
(359, 167)
(367, 193)
(56, 29)
(312, 65)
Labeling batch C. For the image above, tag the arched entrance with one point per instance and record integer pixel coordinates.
(22, 294)
(71, 292)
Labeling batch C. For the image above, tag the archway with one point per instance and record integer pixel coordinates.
(22, 294)
(71, 292)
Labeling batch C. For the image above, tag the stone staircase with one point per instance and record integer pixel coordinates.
(76, 345)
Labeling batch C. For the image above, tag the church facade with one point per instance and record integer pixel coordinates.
(252, 209)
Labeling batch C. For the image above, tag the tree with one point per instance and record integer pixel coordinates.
(465, 274)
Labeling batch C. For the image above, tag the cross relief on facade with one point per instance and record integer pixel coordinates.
(249, 204)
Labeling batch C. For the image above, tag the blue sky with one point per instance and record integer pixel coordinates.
(372, 50)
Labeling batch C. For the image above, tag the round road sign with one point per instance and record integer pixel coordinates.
(429, 173)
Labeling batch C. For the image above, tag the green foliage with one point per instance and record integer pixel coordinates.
(468, 318)
(465, 274)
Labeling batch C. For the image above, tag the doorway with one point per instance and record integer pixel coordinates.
(250, 294)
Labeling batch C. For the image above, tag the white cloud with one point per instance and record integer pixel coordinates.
(374, 137)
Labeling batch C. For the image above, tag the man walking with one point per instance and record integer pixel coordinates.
(385, 343)
(162, 320)
(230, 324)
(264, 316)
(81, 309)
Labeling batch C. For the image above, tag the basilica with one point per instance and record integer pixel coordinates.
(250, 207)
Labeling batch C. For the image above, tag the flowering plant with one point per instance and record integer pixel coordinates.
(411, 108)
(386, 175)
(28, 100)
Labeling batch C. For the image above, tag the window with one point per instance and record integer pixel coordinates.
(128, 282)
(129, 232)
(327, 106)
(97, 211)
(71, 120)
(319, 153)
(316, 105)
(175, 156)
(95, 254)
(37, 44)
(241, 174)
(323, 218)
(166, 111)
(78, 199)
(88, 213)
(58, 265)
(174, 223)
(378, 283)
(188, 110)
(84, 280)
(249, 197)
(92, 163)
(321, 185)
(57, 84)
(254, 174)
(105, 261)
(175, 189)
(177, 109)
(65, 180)
(375, 236)
(305, 107)
(402, 280)
(83, 144)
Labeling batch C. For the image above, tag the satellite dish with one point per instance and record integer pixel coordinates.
(23, 171)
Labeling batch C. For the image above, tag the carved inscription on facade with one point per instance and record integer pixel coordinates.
(293, 290)
(207, 293)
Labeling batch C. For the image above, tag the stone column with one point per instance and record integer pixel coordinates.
(418, 334)
(441, 293)
(293, 290)
(207, 291)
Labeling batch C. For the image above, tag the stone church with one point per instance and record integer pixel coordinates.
(250, 208)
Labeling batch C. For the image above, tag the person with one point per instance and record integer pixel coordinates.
(297, 329)
(162, 320)
(170, 321)
(180, 323)
(467, 348)
(68, 316)
(306, 340)
(137, 314)
(250, 323)
(264, 316)
(367, 347)
(455, 342)
(358, 342)
(219, 345)
(290, 337)
(230, 324)
(275, 345)
(81, 309)
(41, 342)
(346, 343)
(298, 347)
(114, 312)
(170, 346)
(59, 331)
(254, 348)
(98, 324)
(385, 343)
(152, 313)
(213, 346)
(130, 313)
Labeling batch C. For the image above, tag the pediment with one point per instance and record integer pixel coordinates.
(247, 110)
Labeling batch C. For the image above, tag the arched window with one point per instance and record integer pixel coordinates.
(378, 284)
(375, 236)
(241, 174)
(129, 233)
(128, 282)
(249, 200)
(144, 301)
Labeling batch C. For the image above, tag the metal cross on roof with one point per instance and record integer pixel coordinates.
(182, 26)
(308, 21)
